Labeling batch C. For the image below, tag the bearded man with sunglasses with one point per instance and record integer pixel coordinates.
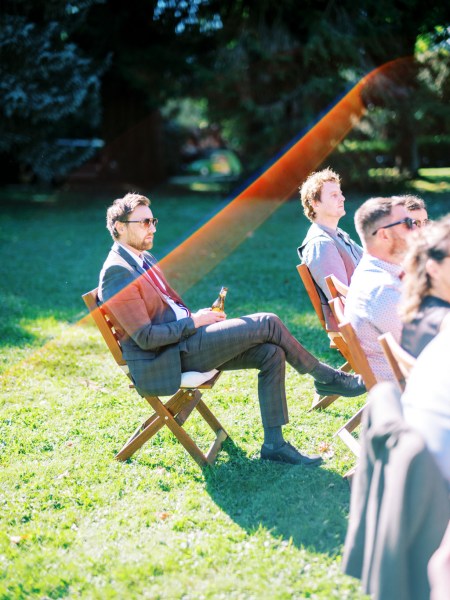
(161, 338)
(384, 226)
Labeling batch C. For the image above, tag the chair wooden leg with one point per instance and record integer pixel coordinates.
(353, 422)
(216, 446)
(173, 414)
(321, 401)
(349, 475)
(349, 441)
(150, 426)
(189, 407)
(221, 434)
(345, 432)
(209, 417)
(346, 367)
(143, 433)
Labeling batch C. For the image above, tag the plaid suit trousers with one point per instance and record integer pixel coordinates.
(259, 341)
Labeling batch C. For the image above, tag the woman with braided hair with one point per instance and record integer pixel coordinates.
(425, 307)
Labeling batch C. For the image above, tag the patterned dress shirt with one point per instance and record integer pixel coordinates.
(371, 307)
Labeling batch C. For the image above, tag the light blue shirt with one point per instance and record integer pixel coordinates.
(371, 307)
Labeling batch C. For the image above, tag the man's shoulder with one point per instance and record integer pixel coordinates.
(116, 273)
(315, 238)
(373, 266)
(117, 257)
(315, 232)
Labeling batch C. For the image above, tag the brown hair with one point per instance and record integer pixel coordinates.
(122, 207)
(371, 212)
(433, 242)
(311, 189)
(413, 202)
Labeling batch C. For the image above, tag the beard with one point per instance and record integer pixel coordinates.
(140, 244)
(398, 247)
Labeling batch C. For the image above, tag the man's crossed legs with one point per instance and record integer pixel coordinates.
(262, 341)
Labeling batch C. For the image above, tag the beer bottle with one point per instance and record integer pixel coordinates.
(219, 304)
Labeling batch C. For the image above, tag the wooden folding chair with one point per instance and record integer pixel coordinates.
(336, 340)
(361, 366)
(400, 361)
(336, 287)
(172, 413)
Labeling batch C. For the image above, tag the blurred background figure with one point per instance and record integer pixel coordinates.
(426, 399)
(425, 304)
(439, 570)
(416, 208)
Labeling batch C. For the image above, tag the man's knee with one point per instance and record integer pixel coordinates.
(272, 355)
(270, 318)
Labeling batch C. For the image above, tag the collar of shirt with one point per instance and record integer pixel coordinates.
(137, 258)
(391, 268)
(335, 233)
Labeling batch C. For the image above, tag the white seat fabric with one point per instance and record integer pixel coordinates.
(192, 379)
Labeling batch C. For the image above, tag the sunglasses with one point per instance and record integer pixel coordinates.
(410, 223)
(146, 223)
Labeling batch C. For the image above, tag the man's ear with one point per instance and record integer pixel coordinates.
(118, 228)
(382, 234)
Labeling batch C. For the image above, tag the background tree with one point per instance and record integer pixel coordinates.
(49, 89)
(274, 67)
(263, 71)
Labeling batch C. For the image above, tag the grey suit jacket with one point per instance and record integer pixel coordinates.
(147, 328)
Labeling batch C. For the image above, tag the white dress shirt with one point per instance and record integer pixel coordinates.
(371, 307)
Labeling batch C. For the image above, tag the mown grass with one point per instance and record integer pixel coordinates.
(77, 524)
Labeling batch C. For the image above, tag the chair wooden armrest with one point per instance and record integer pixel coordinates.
(337, 288)
(336, 341)
(361, 366)
(400, 361)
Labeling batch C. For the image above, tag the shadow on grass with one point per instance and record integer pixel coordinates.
(14, 336)
(308, 506)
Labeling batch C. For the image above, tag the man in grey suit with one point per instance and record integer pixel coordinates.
(327, 249)
(161, 338)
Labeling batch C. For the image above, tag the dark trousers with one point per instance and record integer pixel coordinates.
(260, 341)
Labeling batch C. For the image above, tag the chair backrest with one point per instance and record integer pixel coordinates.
(337, 288)
(359, 359)
(311, 290)
(106, 327)
(400, 361)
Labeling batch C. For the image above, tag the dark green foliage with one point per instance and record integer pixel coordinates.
(49, 88)
(275, 67)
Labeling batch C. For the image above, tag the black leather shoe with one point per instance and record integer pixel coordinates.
(288, 454)
(343, 384)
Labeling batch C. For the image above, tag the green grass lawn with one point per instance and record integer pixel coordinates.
(77, 524)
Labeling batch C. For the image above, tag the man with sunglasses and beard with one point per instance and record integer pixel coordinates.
(161, 338)
(384, 226)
